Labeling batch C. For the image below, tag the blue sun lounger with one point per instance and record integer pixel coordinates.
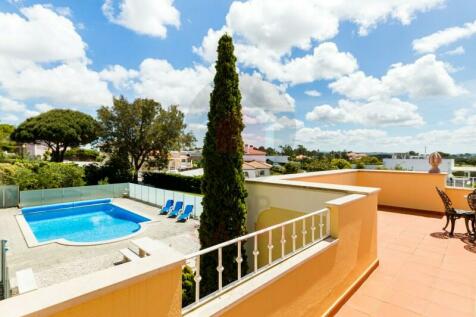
(178, 207)
(185, 214)
(168, 205)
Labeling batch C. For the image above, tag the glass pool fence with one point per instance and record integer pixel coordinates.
(150, 195)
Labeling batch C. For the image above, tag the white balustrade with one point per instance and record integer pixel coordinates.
(193, 260)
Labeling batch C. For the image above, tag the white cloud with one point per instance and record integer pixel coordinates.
(10, 105)
(66, 84)
(43, 107)
(266, 31)
(39, 35)
(465, 116)
(312, 93)
(257, 92)
(387, 112)
(281, 25)
(11, 118)
(150, 17)
(424, 78)
(457, 51)
(451, 140)
(268, 120)
(43, 57)
(120, 77)
(325, 63)
(197, 127)
(433, 42)
(188, 87)
(338, 139)
(285, 122)
(358, 86)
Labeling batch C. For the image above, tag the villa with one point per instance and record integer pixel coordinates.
(345, 243)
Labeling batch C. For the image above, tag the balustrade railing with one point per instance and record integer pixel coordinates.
(269, 246)
(468, 182)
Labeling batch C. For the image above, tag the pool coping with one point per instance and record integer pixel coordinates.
(32, 242)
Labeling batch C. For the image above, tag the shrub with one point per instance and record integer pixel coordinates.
(278, 169)
(292, 167)
(41, 175)
(188, 286)
(340, 163)
(177, 182)
(117, 169)
(77, 154)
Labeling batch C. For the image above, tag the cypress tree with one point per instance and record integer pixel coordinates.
(224, 208)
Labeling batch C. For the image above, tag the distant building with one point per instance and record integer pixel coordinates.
(178, 161)
(417, 163)
(34, 150)
(251, 169)
(256, 169)
(353, 156)
(253, 154)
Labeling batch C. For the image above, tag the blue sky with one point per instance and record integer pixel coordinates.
(366, 76)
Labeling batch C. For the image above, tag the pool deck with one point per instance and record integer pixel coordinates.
(53, 263)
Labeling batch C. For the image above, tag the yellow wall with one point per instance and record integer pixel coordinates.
(332, 177)
(262, 196)
(412, 190)
(314, 286)
(458, 197)
(160, 295)
(148, 287)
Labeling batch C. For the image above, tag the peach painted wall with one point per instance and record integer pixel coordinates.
(413, 190)
(314, 286)
(148, 287)
(332, 177)
(458, 197)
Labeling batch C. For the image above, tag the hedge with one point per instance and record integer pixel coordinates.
(188, 184)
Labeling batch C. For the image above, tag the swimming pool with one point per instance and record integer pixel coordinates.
(82, 222)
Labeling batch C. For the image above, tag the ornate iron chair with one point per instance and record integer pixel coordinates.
(452, 214)
(472, 204)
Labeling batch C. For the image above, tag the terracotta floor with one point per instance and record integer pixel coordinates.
(422, 271)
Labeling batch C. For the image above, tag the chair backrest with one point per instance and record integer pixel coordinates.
(188, 209)
(446, 201)
(472, 200)
(178, 205)
(169, 203)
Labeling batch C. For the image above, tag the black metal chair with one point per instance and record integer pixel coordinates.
(452, 214)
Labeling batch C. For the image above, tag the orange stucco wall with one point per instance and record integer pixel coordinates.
(412, 190)
(311, 288)
(332, 177)
(458, 197)
(142, 288)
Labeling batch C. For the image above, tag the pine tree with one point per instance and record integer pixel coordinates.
(224, 208)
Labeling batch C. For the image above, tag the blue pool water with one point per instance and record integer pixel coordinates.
(86, 221)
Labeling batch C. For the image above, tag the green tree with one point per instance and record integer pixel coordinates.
(224, 208)
(144, 129)
(292, 167)
(270, 151)
(340, 163)
(58, 129)
(6, 143)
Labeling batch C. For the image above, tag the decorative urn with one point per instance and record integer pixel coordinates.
(435, 160)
